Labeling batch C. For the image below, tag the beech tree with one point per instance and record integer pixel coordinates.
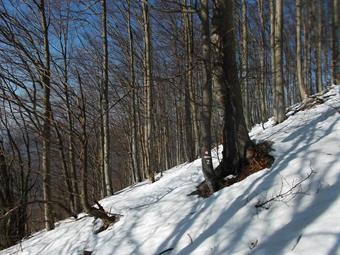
(278, 88)
(227, 93)
(302, 87)
(98, 95)
(335, 41)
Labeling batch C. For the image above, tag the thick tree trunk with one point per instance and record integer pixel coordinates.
(302, 87)
(228, 91)
(279, 106)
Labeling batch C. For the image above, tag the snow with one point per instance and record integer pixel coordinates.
(161, 216)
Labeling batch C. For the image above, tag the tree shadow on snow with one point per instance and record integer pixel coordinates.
(303, 138)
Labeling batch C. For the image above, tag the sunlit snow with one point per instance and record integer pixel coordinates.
(160, 216)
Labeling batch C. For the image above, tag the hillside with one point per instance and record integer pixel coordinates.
(159, 218)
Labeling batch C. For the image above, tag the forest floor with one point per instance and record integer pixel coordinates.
(290, 208)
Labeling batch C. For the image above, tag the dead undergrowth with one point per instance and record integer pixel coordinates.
(259, 160)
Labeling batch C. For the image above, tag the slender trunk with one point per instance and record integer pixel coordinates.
(101, 149)
(75, 207)
(188, 97)
(134, 103)
(244, 72)
(149, 129)
(319, 46)
(307, 47)
(65, 168)
(207, 167)
(83, 150)
(272, 46)
(192, 90)
(46, 161)
(336, 42)
(302, 87)
(105, 87)
(262, 62)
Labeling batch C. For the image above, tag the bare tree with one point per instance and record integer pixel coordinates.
(207, 167)
(245, 61)
(335, 41)
(45, 74)
(319, 10)
(278, 88)
(105, 104)
(228, 92)
(302, 87)
(148, 84)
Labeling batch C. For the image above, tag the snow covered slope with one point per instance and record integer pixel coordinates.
(160, 216)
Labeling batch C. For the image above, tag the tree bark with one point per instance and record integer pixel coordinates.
(148, 84)
(71, 166)
(336, 42)
(279, 105)
(244, 65)
(190, 106)
(228, 91)
(207, 167)
(134, 103)
(301, 84)
(263, 73)
(45, 74)
(105, 108)
(272, 46)
(318, 54)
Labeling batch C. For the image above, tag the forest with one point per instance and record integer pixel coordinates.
(98, 95)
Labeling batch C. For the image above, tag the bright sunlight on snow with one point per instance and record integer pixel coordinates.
(301, 215)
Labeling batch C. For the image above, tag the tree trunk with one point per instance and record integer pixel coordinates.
(272, 46)
(105, 108)
(149, 129)
(134, 103)
(190, 106)
(75, 206)
(263, 86)
(319, 46)
(228, 91)
(336, 42)
(302, 87)
(45, 75)
(207, 167)
(244, 72)
(279, 105)
(106, 218)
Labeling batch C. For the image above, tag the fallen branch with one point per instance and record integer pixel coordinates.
(165, 251)
(282, 195)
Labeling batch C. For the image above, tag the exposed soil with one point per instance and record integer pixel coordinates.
(259, 160)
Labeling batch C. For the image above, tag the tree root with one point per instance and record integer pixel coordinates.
(258, 159)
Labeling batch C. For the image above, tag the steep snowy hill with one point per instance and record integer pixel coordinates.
(302, 218)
